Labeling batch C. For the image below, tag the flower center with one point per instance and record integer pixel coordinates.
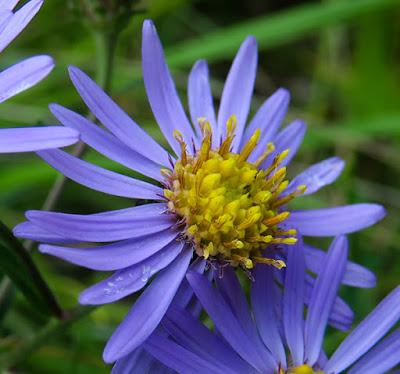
(303, 369)
(231, 209)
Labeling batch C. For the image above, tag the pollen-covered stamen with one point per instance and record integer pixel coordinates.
(231, 209)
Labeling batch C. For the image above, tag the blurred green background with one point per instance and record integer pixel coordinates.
(339, 59)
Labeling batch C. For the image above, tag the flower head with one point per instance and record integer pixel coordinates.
(22, 76)
(223, 198)
(279, 339)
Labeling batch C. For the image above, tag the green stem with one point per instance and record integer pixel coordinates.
(53, 328)
(10, 240)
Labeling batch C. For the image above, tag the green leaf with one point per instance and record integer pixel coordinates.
(273, 29)
(17, 264)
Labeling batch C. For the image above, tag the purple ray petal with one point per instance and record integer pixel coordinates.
(105, 143)
(317, 175)
(5, 17)
(355, 275)
(238, 90)
(131, 279)
(185, 292)
(35, 139)
(18, 22)
(381, 358)
(293, 302)
(193, 335)
(113, 256)
(179, 358)
(335, 221)
(148, 310)
(323, 297)
(341, 316)
(24, 75)
(367, 333)
(227, 324)
(264, 297)
(8, 4)
(200, 98)
(143, 220)
(115, 119)
(98, 178)
(139, 361)
(164, 101)
(290, 138)
(231, 290)
(27, 230)
(268, 119)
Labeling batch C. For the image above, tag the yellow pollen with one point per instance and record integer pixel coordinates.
(231, 209)
(303, 369)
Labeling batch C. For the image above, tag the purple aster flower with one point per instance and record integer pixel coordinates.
(22, 76)
(274, 336)
(223, 198)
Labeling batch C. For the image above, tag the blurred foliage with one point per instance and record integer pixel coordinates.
(339, 59)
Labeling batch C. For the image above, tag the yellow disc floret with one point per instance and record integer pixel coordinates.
(303, 369)
(230, 208)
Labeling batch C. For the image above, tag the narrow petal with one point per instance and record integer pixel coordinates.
(131, 279)
(98, 178)
(190, 333)
(323, 297)
(367, 333)
(227, 324)
(9, 4)
(21, 76)
(27, 230)
(290, 138)
(264, 300)
(148, 310)
(238, 90)
(381, 358)
(143, 220)
(200, 98)
(179, 358)
(335, 221)
(5, 18)
(164, 101)
(18, 22)
(293, 302)
(105, 143)
(268, 119)
(139, 361)
(318, 175)
(341, 316)
(36, 139)
(185, 292)
(355, 275)
(233, 294)
(115, 119)
(113, 256)
(231, 290)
